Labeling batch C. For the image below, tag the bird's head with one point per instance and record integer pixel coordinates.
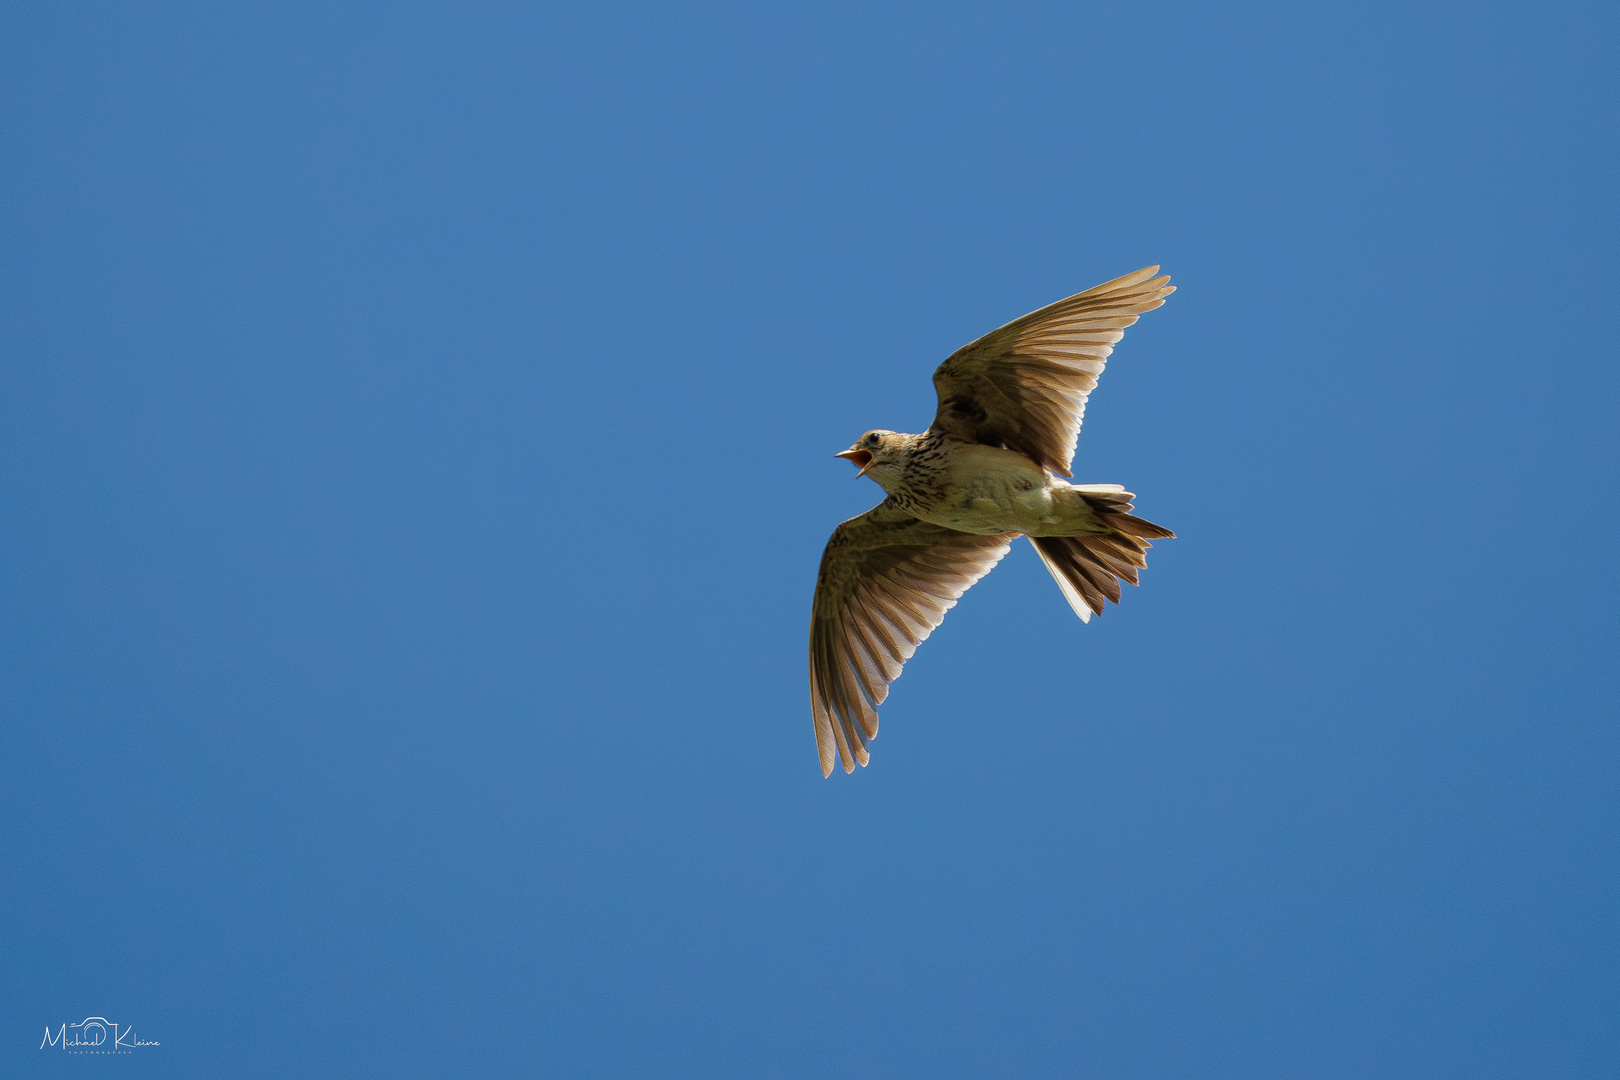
(879, 454)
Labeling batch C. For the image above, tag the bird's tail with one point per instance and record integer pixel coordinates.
(1089, 568)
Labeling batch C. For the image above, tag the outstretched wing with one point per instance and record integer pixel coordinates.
(1025, 385)
(886, 581)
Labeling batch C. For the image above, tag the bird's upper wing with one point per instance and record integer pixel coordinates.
(1025, 385)
(886, 581)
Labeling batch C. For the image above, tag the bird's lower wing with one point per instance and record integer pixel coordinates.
(886, 581)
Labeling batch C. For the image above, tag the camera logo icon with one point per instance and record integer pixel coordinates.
(91, 1031)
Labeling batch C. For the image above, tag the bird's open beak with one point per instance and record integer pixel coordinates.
(863, 458)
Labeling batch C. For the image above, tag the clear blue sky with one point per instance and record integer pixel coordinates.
(418, 423)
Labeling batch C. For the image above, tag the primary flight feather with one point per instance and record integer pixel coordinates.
(991, 467)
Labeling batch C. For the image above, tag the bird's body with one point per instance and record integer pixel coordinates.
(985, 490)
(991, 467)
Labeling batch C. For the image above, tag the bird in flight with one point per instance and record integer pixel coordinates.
(992, 465)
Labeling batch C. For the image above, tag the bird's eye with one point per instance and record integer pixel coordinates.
(872, 439)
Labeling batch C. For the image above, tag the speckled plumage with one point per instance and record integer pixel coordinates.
(989, 468)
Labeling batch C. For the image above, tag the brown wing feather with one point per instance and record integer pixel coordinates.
(886, 581)
(1025, 385)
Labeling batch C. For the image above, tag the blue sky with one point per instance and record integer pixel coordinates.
(419, 422)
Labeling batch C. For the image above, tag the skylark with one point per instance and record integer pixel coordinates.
(989, 468)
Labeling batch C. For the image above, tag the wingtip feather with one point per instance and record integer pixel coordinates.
(1123, 282)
